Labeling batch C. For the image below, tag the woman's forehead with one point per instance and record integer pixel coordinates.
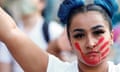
(88, 19)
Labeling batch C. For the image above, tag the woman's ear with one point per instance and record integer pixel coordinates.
(112, 37)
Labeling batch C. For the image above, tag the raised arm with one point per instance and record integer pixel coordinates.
(28, 54)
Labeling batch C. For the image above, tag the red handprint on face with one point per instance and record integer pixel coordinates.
(95, 57)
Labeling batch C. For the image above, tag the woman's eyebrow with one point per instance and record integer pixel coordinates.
(79, 30)
(93, 28)
(96, 27)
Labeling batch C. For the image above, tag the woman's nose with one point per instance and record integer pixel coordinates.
(90, 43)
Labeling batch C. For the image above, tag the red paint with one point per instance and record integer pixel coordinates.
(93, 58)
(100, 41)
(78, 48)
(87, 58)
(104, 54)
(104, 45)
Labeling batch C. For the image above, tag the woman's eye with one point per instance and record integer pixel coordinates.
(99, 32)
(79, 36)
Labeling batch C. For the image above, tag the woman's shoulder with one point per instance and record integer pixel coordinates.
(113, 67)
(56, 65)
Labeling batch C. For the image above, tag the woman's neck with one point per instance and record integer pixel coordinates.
(103, 67)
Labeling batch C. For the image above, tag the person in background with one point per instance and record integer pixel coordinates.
(30, 20)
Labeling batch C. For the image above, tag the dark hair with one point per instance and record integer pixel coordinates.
(83, 9)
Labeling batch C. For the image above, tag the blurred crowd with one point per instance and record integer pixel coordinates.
(38, 19)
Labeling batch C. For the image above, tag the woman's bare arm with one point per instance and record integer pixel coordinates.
(28, 54)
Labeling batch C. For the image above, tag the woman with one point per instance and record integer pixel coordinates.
(89, 31)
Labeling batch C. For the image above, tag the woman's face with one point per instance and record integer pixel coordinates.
(90, 37)
(40, 4)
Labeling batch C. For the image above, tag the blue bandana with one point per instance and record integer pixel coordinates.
(66, 7)
(110, 6)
